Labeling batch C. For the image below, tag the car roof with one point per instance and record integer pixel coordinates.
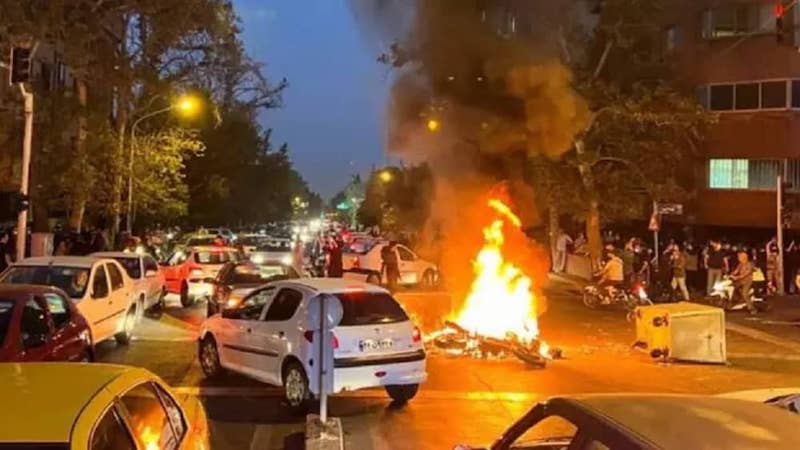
(688, 421)
(117, 255)
(212, 248)
(335, 285)
(48, 398)
(22, 292)
(68, 261)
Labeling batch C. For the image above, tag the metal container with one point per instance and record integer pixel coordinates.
(682, 332)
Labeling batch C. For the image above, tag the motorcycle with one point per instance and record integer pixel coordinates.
(595, 296)
(725, 295)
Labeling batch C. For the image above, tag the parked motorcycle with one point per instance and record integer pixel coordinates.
(594, 296)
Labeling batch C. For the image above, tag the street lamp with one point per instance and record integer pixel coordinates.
(433, 125)
(187, 106)
(385, 176)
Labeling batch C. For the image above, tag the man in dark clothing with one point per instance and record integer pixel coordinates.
(335, 263)
(390, 266)
(716, 264)
(5, 252)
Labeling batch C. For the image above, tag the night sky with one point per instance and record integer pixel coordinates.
(333, 108)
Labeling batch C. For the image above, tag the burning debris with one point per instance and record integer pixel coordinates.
(500, 316)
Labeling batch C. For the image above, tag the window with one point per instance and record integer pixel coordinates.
(284, 305)
(72, 280)
(253, 305)
(58, 308)
(757, 174)
(773, 94)
(721, 97)
(405, 254)
(34, 326)
(100, 284)
(370, 308)
(149, 422)
(116, 276)
(738, 19)
(177, 258)
(150, 264)
(131, 265)
(111, 434)
(553, 428)
(795, 93)
(747, 96)
(6, 310)
(211, 257)
(173, 412)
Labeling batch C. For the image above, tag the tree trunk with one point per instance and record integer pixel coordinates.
(593, 237)
(80, 196)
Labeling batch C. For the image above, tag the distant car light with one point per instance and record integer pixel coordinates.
(257, 259)
(287, 260)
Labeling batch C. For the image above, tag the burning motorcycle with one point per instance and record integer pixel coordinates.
(725, 295)
(595, 296)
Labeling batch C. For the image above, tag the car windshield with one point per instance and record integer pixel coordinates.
(275, 246)
(370, 308)
(250, 240)
(131, 266)
(73, 280)
(361, 246)
(6, 309)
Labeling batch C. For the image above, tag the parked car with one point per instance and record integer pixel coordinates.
(363, 256)
(268, 337)
(236, 280)
(96, 406)
(40, 323)
(149, 285)
(649, 421)
(250, 242)
(226, 233)
(273, 249)
(99, 287)
(186, 271)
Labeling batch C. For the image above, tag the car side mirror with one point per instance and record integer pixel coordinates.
(150, 273)
(34, 340)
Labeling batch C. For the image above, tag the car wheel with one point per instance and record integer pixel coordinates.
(590, 299)
(185, 300)
(209, 357)
(374, 278)
(161, 304)
(124, 336)
(87, 355)
(295, 385)
(429, 279)
(402, 393)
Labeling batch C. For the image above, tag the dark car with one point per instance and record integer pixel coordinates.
(235, 280)
(40, 323)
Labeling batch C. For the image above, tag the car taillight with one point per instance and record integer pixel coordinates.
(356, 263)
(309, 335)
(416, 335)
(196, 273)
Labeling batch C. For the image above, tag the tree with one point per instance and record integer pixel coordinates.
(397, 199)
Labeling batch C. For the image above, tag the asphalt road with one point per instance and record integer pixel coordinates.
(465, 400)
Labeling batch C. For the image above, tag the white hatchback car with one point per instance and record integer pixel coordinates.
(268, 337)
(149, 285)
(99, 287)
(363, 256)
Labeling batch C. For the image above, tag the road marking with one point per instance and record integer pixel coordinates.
(778, 357)
(274, 392)
(762, 336)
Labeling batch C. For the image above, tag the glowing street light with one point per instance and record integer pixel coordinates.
(385, 176)
(187, 105)
(433, 125)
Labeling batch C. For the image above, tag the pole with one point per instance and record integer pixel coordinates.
(129, 219)
(779, 234)
(323, 340)
(655, 237)
(22, 219)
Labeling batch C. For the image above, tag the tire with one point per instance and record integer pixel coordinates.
(402, 393)
(429, 279)
(161, 304)
(295, 385)
(374, 278)
(209, 357)
(186, 301)
(140, 307)
(124, 336)
(591, 300)
(87, 355)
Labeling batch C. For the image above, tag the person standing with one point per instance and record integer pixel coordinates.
(5, 251)
(562, 246)
(716, 265)
(335, 263)
(678, 262)
(390, 266)
(743, 279)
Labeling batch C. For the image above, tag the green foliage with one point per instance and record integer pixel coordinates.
(397, 198)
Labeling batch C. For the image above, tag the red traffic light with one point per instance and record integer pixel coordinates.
(780, 10)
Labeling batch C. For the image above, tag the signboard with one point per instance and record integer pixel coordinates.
(654, 225)
(670, 209)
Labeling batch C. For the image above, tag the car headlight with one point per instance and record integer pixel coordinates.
(287, 260)
(257, 259)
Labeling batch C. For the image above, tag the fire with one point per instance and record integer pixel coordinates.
(501, 302)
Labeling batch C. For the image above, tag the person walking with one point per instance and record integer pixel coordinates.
(716, 265)
(335, 263)
(743, 279)
(390, 266)
(678, 262)
(562, 246)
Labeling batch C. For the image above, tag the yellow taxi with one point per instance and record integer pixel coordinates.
(59, 406)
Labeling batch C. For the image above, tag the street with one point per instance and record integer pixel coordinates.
(465, 400)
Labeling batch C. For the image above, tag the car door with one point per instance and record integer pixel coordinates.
(408, 266)
(67, 344)
(97, 305)
(35, 332)
(172, 270)
(239, 348)
(121, 294)
(154, 279)
(274, 335)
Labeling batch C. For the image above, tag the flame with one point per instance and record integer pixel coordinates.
(501, 301)
(150, 439)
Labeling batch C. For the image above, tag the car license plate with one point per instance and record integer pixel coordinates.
(371, 345)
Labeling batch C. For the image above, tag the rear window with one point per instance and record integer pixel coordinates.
(361, 247)
(253, 274)
(131, 266)
(73, 280)
(275, 246)
(370, 308)
(197, 242)
(211, 257)
(6, 309)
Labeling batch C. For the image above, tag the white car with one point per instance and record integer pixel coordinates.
(149, 285)
(363, 256)
(268, 337)
(99, 287)
(274, 249)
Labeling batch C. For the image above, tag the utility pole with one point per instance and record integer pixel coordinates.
(22, 218)
(779, 235)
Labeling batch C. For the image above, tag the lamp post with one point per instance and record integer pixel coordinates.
(186, 105)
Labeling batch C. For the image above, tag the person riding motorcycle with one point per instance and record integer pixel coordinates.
(611, 275)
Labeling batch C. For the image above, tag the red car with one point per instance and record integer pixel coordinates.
(40, 323)
(190, 272)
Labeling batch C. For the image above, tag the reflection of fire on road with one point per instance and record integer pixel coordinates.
(499, 316)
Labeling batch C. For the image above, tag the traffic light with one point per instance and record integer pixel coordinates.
(12, 203)
(20, 65)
